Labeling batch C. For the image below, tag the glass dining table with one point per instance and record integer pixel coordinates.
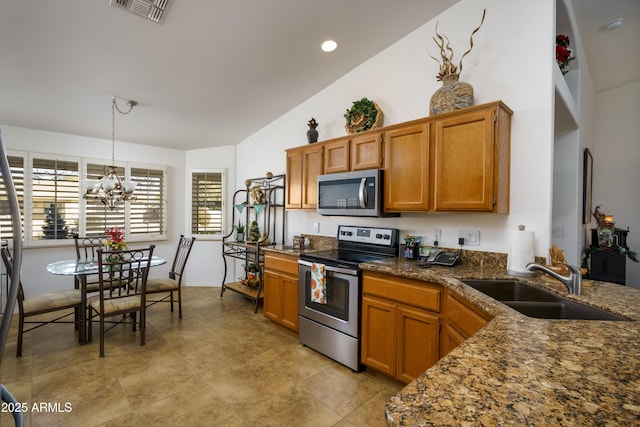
(82, 268)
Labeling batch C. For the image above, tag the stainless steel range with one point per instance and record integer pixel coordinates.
(332, 326)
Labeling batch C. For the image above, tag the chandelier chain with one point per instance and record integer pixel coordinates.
(114, 107)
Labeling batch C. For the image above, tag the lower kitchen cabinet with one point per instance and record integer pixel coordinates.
(460, 321)
(400, 321)
(281, 289)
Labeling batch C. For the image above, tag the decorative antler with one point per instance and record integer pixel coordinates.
(446, 52)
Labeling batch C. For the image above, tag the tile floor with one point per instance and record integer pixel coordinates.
(220, 365)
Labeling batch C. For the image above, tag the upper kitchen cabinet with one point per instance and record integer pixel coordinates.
(406, 168)
(366, 151)
(471, 149)
(336, 156)
(304, 164)
(451, 162)
(358, 152)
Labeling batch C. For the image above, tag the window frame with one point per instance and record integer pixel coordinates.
(27, 211)
(223, 195)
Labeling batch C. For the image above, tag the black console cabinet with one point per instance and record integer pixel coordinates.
(608, 267)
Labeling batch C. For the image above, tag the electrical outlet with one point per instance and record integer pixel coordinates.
(437, 235)
(471, 237)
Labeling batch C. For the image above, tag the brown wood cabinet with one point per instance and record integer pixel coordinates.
(336, 156)
(281, 289)
(453, 162)
(406, 168)
(366, 151)
(460, 320)
(471, 160)
(304, 164)
(400, 319)
(357, 152)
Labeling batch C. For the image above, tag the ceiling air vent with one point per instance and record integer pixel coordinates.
(150, 9)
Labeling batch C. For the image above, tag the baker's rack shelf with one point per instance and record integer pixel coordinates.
(262, 201)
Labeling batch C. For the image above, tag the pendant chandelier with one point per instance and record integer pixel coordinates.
(110, 189)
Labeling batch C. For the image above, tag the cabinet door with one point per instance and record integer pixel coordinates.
(378, 334)
(312, 167)
(417, 340)
(336, 156)
(304, 164)
(366, 151)
(294, 179)
(272, 293)
(289, 302)
(449, 339)
(461, 320)
(464, 169)
(406, 159)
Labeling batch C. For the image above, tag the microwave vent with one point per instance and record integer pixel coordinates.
(153, 10)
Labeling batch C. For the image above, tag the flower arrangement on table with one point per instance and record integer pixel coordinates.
(564, 54)
(606, 242)
(116, 241)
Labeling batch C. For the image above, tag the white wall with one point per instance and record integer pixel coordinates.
(35, 277)
(511, 61)
(616, 156)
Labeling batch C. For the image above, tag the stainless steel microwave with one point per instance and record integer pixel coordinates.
(357, 193)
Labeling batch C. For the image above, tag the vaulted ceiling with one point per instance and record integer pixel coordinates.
(213, 72)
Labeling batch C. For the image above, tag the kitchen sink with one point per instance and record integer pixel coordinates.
(511, 290)
(535, 302)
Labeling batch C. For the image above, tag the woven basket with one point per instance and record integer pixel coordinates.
(359, 124)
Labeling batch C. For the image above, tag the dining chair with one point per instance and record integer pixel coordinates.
(173, 283)
(122, 282)
(87, 247)
(43, 303)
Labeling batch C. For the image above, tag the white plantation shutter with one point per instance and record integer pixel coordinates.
(54, 210)
(147, 212)
(16, 165)
(50, 196)
(206, 202)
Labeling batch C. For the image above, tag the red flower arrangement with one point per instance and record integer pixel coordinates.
(563, 54)
(116, 242)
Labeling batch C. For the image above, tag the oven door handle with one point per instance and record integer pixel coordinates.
(330, 268)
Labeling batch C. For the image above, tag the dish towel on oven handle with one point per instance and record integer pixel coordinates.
(318, 283)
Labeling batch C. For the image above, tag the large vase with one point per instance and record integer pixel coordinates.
(453, 95)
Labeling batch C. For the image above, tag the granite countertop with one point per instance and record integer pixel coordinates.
(519, 370)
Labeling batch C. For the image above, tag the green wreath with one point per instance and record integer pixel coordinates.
(363, 115)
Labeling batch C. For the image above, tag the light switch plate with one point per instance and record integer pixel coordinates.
(471, 237)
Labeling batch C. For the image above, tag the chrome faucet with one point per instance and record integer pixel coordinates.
(573, 282)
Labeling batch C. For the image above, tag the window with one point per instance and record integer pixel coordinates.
(54, 199)
(206, 202)
(147, 213)
(53, 208)
(16, 165)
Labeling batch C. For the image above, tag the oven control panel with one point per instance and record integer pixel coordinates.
(369, 235)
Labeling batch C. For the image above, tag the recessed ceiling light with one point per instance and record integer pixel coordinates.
(329, 46)
(614, 24)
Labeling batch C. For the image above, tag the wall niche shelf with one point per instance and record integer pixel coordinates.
(567, 86)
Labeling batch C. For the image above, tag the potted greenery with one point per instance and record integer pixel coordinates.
(239, 232)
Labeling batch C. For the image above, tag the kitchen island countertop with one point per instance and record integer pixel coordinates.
(519, 370)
